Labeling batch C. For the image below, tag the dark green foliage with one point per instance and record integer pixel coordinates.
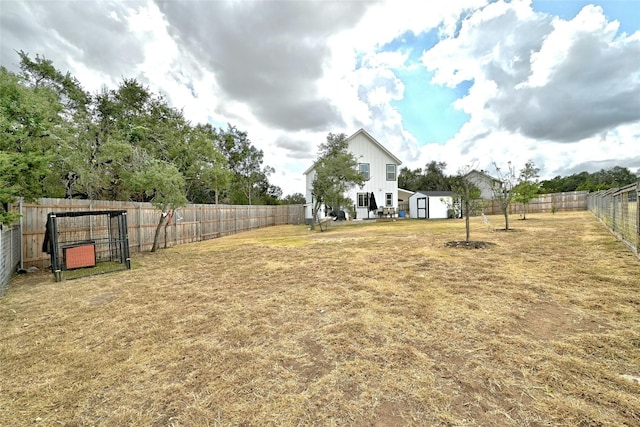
(527, 187)
(602, 180)
(249, 183)
(31, 126)
(127, 143)
(294, 199)
(432, 178)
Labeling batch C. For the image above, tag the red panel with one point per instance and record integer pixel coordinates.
(80, 256)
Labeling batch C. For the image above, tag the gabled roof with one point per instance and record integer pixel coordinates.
(372, 139)
(482, 174)
(436, 193)
(380, 146)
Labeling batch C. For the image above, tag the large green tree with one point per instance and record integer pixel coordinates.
(410, 179)
(31, 126)
(294, 199)
(161, 184)
(72, 134)
(335, 171)
(434, 177)
(250, 178)
(603, 179)
(431, 178)
(203, 165)
(125, 143)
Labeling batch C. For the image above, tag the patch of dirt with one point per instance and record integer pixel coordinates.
(386, 414)
(468, 245)
(101, 299)
(547, 321)
(310, 368)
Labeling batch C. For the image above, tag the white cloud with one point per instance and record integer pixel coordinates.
(290, 72)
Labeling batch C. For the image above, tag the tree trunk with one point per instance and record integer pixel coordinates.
(314, 215)
(166, 225)
(466, 223)
(506, 219)
(467, 208)
(156, 237)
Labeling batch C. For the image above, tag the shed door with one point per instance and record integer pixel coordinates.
(423, 208)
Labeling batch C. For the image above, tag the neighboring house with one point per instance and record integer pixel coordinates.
(430, 204)
(484, 182)
(377, 164)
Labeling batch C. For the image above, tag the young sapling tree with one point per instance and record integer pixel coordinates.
(527, 187)
(503, 189)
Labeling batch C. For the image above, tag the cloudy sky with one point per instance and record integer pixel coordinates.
(462, 82)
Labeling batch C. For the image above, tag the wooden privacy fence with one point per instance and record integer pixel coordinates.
(192, 223)
(556, 202)
(619, 210)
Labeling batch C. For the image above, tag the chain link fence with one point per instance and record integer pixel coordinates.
(619, 210)
(9, 255)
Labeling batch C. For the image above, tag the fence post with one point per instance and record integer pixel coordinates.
(638, 218)
(139, 228)
(10, 265)
(3, 274)
(20, 240)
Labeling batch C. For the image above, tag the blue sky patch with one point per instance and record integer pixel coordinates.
(412, 43)
(614, 10)
(427, 110)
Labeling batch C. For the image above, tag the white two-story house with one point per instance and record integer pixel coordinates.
(378, 165)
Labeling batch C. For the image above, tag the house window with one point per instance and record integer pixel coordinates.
(363, 168)
(363, 200)
(389, 199)
(391, 172)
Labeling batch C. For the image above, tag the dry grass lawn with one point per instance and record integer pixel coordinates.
(376, 324)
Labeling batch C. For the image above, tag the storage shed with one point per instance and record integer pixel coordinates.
(430, 204)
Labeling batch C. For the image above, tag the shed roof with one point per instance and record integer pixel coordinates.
(436, 193)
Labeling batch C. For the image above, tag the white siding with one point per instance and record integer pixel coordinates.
(438, 207)
(365, 151)
(368, 151)
(308, 208)
(413, 205)
(434, 207)
(483, 182)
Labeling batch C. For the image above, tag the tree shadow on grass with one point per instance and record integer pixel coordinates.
(468, 245)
